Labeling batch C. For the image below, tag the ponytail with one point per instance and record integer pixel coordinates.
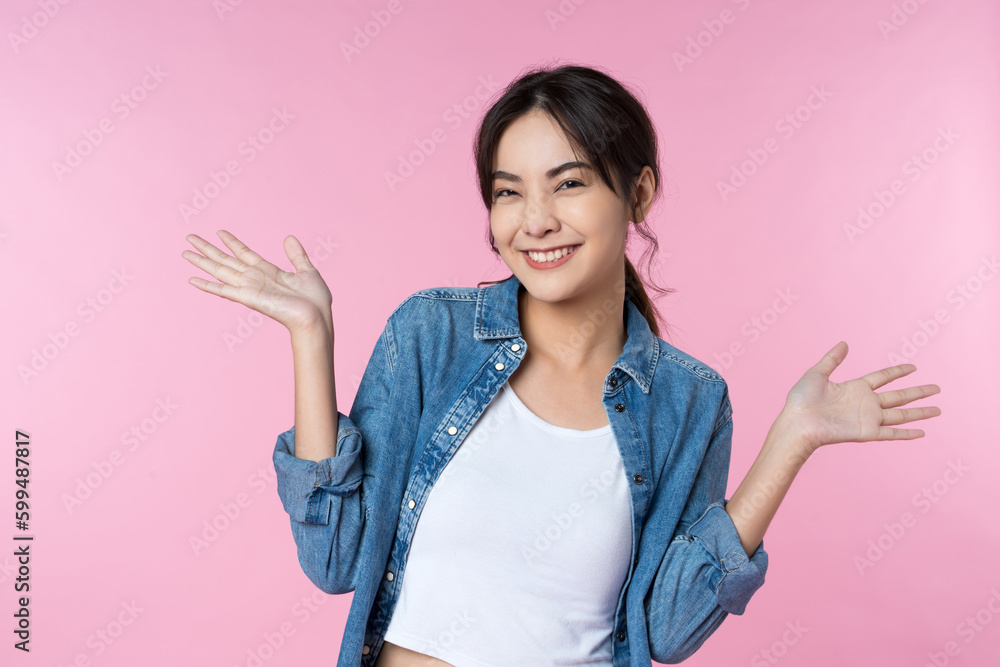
(636, 291)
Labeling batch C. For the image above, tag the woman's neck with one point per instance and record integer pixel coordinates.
(576, 335)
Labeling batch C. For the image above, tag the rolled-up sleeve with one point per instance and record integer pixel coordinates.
(734, 577)
(303, 485)
(325, 500)
(705, 573)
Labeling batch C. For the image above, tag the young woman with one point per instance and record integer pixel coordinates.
(548, 472)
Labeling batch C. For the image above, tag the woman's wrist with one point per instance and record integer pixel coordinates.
(795, 442)
(321, 325)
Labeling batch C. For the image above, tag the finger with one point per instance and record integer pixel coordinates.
(904, 415)
(876, 379)
(885, 433)
(211, 251)
(890, 399)
(297, 254)
(225, 291)
(831, 359)
(242, 252)
(221, 272)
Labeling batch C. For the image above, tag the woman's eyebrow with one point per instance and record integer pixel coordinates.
(550, 174)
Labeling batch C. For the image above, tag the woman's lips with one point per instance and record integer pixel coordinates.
(548, 265)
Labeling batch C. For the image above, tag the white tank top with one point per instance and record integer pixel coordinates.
(522, 548)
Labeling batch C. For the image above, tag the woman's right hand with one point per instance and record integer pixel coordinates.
(300, 301)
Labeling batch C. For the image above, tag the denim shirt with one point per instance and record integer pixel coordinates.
(442, 357)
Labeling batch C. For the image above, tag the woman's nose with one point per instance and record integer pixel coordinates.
(536, 217)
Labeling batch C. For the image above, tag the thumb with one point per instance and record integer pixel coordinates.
(297, 254)
(831, 360)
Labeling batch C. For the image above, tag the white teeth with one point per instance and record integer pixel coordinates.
(553, 255)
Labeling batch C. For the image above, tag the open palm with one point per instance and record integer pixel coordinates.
(826, 412)
(297, 300)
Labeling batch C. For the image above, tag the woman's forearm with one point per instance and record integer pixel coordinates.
(756, 500)
(316, 418)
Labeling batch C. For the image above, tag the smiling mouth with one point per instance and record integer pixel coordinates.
(552, 255)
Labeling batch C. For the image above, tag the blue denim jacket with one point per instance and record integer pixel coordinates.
(442, 357)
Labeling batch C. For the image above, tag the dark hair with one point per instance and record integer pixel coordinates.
(605, 123)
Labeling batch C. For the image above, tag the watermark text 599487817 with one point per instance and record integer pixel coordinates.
(22, 542)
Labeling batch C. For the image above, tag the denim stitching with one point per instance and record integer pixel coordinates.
(741, 558)
(701, 371)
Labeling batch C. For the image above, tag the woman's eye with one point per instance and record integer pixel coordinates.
(500, 193)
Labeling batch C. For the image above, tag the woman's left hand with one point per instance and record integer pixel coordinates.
(824, 412)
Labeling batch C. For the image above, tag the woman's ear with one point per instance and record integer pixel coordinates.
(645, 188)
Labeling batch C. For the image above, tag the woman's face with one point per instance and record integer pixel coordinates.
(568, 208)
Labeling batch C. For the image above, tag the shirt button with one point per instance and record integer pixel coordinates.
(515, 347)
(638, 478)
(389, 576)
(613, 382)
(620, 636)
(636, 561)
(411, 504)
(499, 367)
(619, 407)
(452, 430)
(366, 650)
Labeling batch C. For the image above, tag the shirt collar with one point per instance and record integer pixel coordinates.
(497, 317)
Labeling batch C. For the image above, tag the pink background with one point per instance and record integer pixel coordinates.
(65, 233)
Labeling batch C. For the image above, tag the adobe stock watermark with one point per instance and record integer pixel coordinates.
(924, 500)
(580, 333)
(560, 523)
(8, 569)
(304, 609)
(482, 431)
(971, 627)
(122, 107)
(107, 634)
(563, 11)
(786, 126)
(230, 511)
(703, 39)
(249, 149)
(453, 117)
(364, 34)
(33, 23)
(612, 130)
(959, 295)
(273, 640)
(753, 328)
(104, 468)
(795, 458)
(779, 648)
(58, 341)
(458, 625)
(224, 7)
(898, 17)
(247, 325)
(914, 167)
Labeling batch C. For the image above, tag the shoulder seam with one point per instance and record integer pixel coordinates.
(702, 371)
(470, 294)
